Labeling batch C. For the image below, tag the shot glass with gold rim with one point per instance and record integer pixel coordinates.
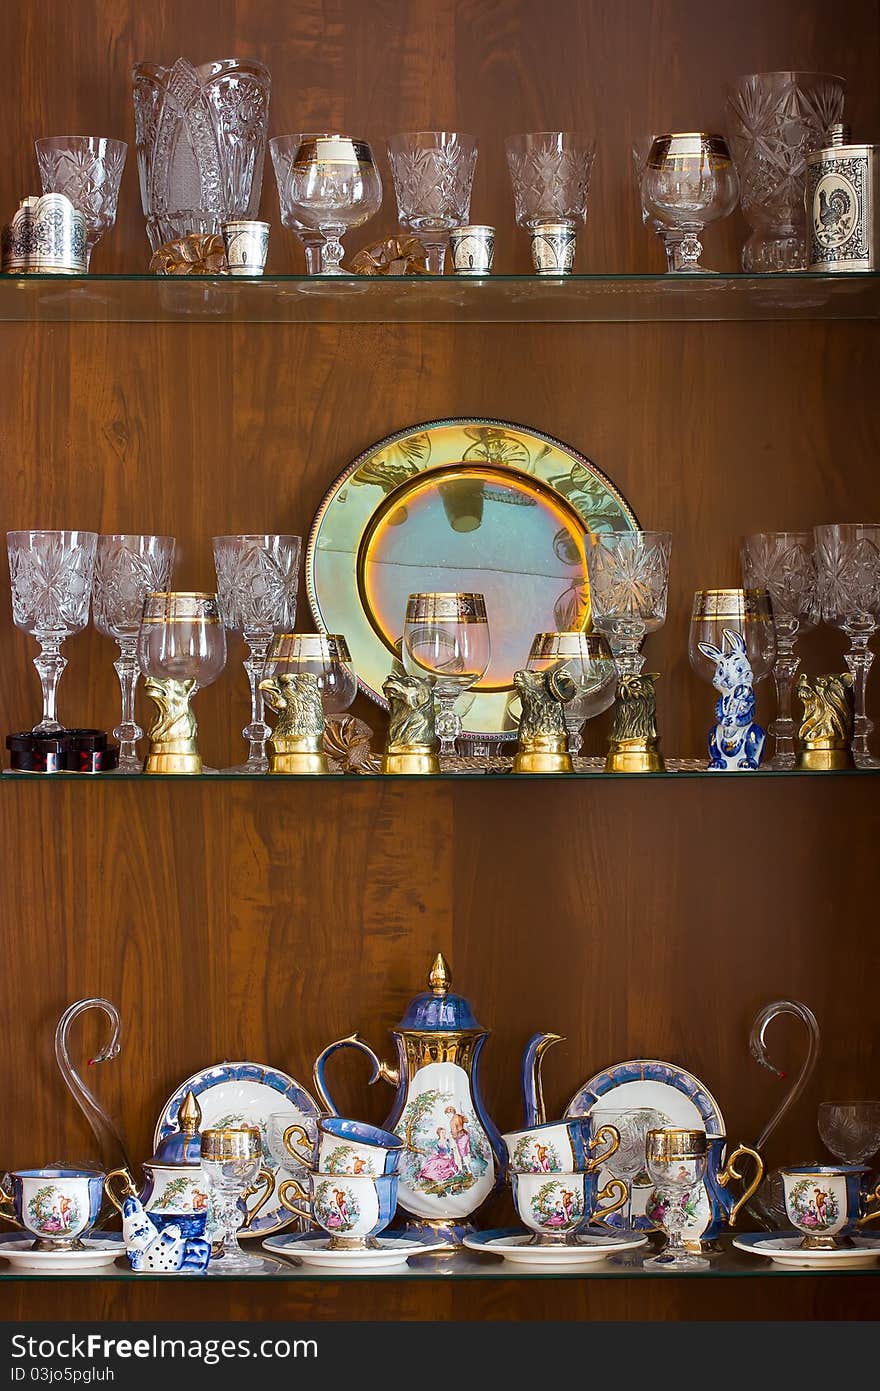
(181, 647)
(676, 1161)
(232, 1162)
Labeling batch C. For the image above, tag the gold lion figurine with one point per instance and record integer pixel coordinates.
(297, 739)
(173, 747)
(827, 727)
(543, 738)
(411, 745)
(634, 746)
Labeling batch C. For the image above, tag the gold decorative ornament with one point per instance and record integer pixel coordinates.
(411, 745)
(297, 740)
(543, 738)
(392, 256)
(730, 1172)
(194, 254)
(634, 744)
(827, 727)
(173, 746)
(347, 746)
(440, 976)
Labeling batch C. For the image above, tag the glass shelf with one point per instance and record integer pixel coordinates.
(692, 768)
(728, 1263)
(451, 299)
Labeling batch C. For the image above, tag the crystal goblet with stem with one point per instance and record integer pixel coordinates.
(446, 642)
(433, 173)
(628, 1161)
(232, 1162)
(587, 659)
(87, 169)
(784, 563)
(689, 180)
(550, 171)
(848, 564)
(181, 648)
(850, 1129)
(127, 569)
(671, 237)
(676, 1161)
(746, 614)
(257, 580)
(51, 574)
(629, 581)
(280, 149)
(327, 184)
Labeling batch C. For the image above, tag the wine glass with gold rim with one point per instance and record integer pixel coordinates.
(689, 180)
(587, 659)
(446, 642)
(676, 1161)
(181, 647)
(732, 645)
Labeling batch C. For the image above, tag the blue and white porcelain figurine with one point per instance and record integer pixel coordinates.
(162, 1250)
(737, 741)
(454, 1158)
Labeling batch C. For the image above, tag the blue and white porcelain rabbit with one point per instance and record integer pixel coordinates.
(737, 741)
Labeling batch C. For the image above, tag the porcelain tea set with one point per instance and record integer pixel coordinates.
(242, 1149)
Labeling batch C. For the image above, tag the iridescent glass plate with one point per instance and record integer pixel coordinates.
(469, 505)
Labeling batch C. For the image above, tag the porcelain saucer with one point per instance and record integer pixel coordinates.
(514, 1246)
(100, 1249)
(787, 1251)
(313, 1251)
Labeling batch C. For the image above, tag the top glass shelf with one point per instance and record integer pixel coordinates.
(497, 299)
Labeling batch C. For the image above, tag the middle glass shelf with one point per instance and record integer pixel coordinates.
(672, 773)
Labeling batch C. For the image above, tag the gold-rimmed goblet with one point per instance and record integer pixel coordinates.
(181, 647)
(587, 659)
(232, 1162)
(676, 1160)
(732, 644)
(446, 642)
(328, 184)
(689, 180)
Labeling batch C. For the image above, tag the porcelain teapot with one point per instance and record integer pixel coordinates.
(455, 1159)
(174, 1188)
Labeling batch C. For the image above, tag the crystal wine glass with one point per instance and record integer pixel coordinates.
(746, 613)
(784, 563)
(127, 568)
(446, 641)
(181, 647)
(629, 581)
(550, 171)
(588, 660)
(327, 184)
(282, 149)
(850, 1129)
(676, 1161)
(689, 181)
(671, 237)
(628, 1161)
(848, 563)
(51, 573)
(433, 173)
(87, 169)
(257, 580)
(232, 1162)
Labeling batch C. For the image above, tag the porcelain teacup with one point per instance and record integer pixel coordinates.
(558, 1147)
(352, 1209)
(58, 1206)
(826, 1202)
(346, 1147)
(558, 1206)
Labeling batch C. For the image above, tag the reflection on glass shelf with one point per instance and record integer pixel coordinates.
(676, 769)
(450, 299)
(469, 1265)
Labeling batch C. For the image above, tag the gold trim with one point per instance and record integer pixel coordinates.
(672, 1143)
(684, 146)
(743, 605)
(413, 762)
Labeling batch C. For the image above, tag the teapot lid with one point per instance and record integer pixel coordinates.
(183, 1146)
(437, 1010)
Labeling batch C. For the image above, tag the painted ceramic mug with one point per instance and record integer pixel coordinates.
(558, 1206)
(826, 1202)
(352, 1209)
(58, 1206)
(560, 1147)
(346, 1147)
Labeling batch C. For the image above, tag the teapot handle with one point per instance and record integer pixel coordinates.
(730, 1171)
(381, 1071)
(128, 1190)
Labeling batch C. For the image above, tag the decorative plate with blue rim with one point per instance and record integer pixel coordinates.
(243, 1094)
(678, 1097)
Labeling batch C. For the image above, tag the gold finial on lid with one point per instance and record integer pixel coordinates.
(189, 1117)
(440, 976)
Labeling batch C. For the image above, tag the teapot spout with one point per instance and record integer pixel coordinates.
(533, 1094)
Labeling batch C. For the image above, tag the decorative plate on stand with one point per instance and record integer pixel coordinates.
(473, 505)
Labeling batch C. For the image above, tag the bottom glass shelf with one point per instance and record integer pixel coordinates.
(726, 1263)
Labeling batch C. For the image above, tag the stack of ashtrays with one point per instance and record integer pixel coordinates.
(47, 236)
(62, 751)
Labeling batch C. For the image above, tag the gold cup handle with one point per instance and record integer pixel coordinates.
(605, 1132)
(730, 1171)
(128, 1188)
(266, 1181)
(613, 1185)
(292, 1184)
(7, 1198)
(303, 1136)
(873, 1197)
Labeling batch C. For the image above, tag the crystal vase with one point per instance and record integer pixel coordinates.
(201, 140)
